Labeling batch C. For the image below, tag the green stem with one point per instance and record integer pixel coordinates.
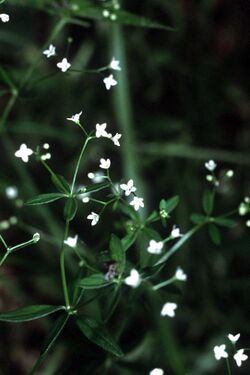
(228, 367)
(164, 283)
(62, 267)
(4, 257)
(3, 242)
(8, 108)
(78, 165)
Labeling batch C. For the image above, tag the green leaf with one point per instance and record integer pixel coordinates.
(44, 199)
(154, 216)
(94, 187)
(50, 340)
(117, 252)
(225, 222)
(70, 209)
(61, 184)
(208, 202)
(170, 204)
(130, 212)
(214, 234)
(198, 219)
(95, 281)
(28, 313)
(98, 334)
(152, 234)
(129, 239)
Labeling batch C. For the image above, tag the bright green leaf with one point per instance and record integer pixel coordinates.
(95, 281)
(98, 334)
(170, 204)
(44, 199)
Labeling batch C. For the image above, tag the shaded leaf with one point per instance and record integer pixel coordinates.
(169, 204)
(93, 188)
(198, 218)
(225, 222)
(99, 335)
(28, 313)
(70, 209)
(117, 252)
(208, 202)
(129, 239)
(214, 234)
(50, 340)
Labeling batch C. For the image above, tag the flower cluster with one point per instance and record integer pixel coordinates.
(239, 356)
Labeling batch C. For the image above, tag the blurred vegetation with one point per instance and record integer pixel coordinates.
(182, 98)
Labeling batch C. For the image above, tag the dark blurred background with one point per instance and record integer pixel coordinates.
(182, 98)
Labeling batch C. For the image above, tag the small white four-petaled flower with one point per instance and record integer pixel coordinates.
(71, 241)
(137, 203)
(51, 51)
(155, 247)
(105, 163)
(116, 138)
(75, 118)
(176, 232)
(133, 279)
(4, 17)
(128, 187)
(64, 65)
(156, 371)
(115, 64)
(24, 152)
(94, 217)
(233, 338)
(169, 309)
(210, 165)
(220, 352)
(239, 357)
(101, 131)
(109, 81)
(180, 275)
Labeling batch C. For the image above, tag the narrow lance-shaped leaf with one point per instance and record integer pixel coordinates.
(70, 209)
(50, 340)
(44, 199)
(214, 234)
(95, 281)
(208, 201)
(61, 184)
(129, 240)
(94, 187)
(99, 335)
(169, 204)
(117, 252)
(28, 313)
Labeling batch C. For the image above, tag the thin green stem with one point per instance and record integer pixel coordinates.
(228, 367)
(164, 283)
(8, 109)
(4, 257)
(78, 164)
(3, 242)
(62, 266)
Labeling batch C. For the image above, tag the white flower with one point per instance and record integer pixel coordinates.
(46, 146)
(210, 165)
(64, 65)
(133, 279)
(128, 188)
(94, 217)
(155, 247)
(169, 309)
(233, 338)
(105, 163)
(137, 203)
(24, 152)
(156, 371)
(116, 138)
(71, 241)
(4, 17)
(109, 81)
(240, 357)
(101, 131)
(115, 64)
(220, 352)
(11, 192)
(46, 156)
(176, 232)
(51, 51)
(180, 275)
(75, 118)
